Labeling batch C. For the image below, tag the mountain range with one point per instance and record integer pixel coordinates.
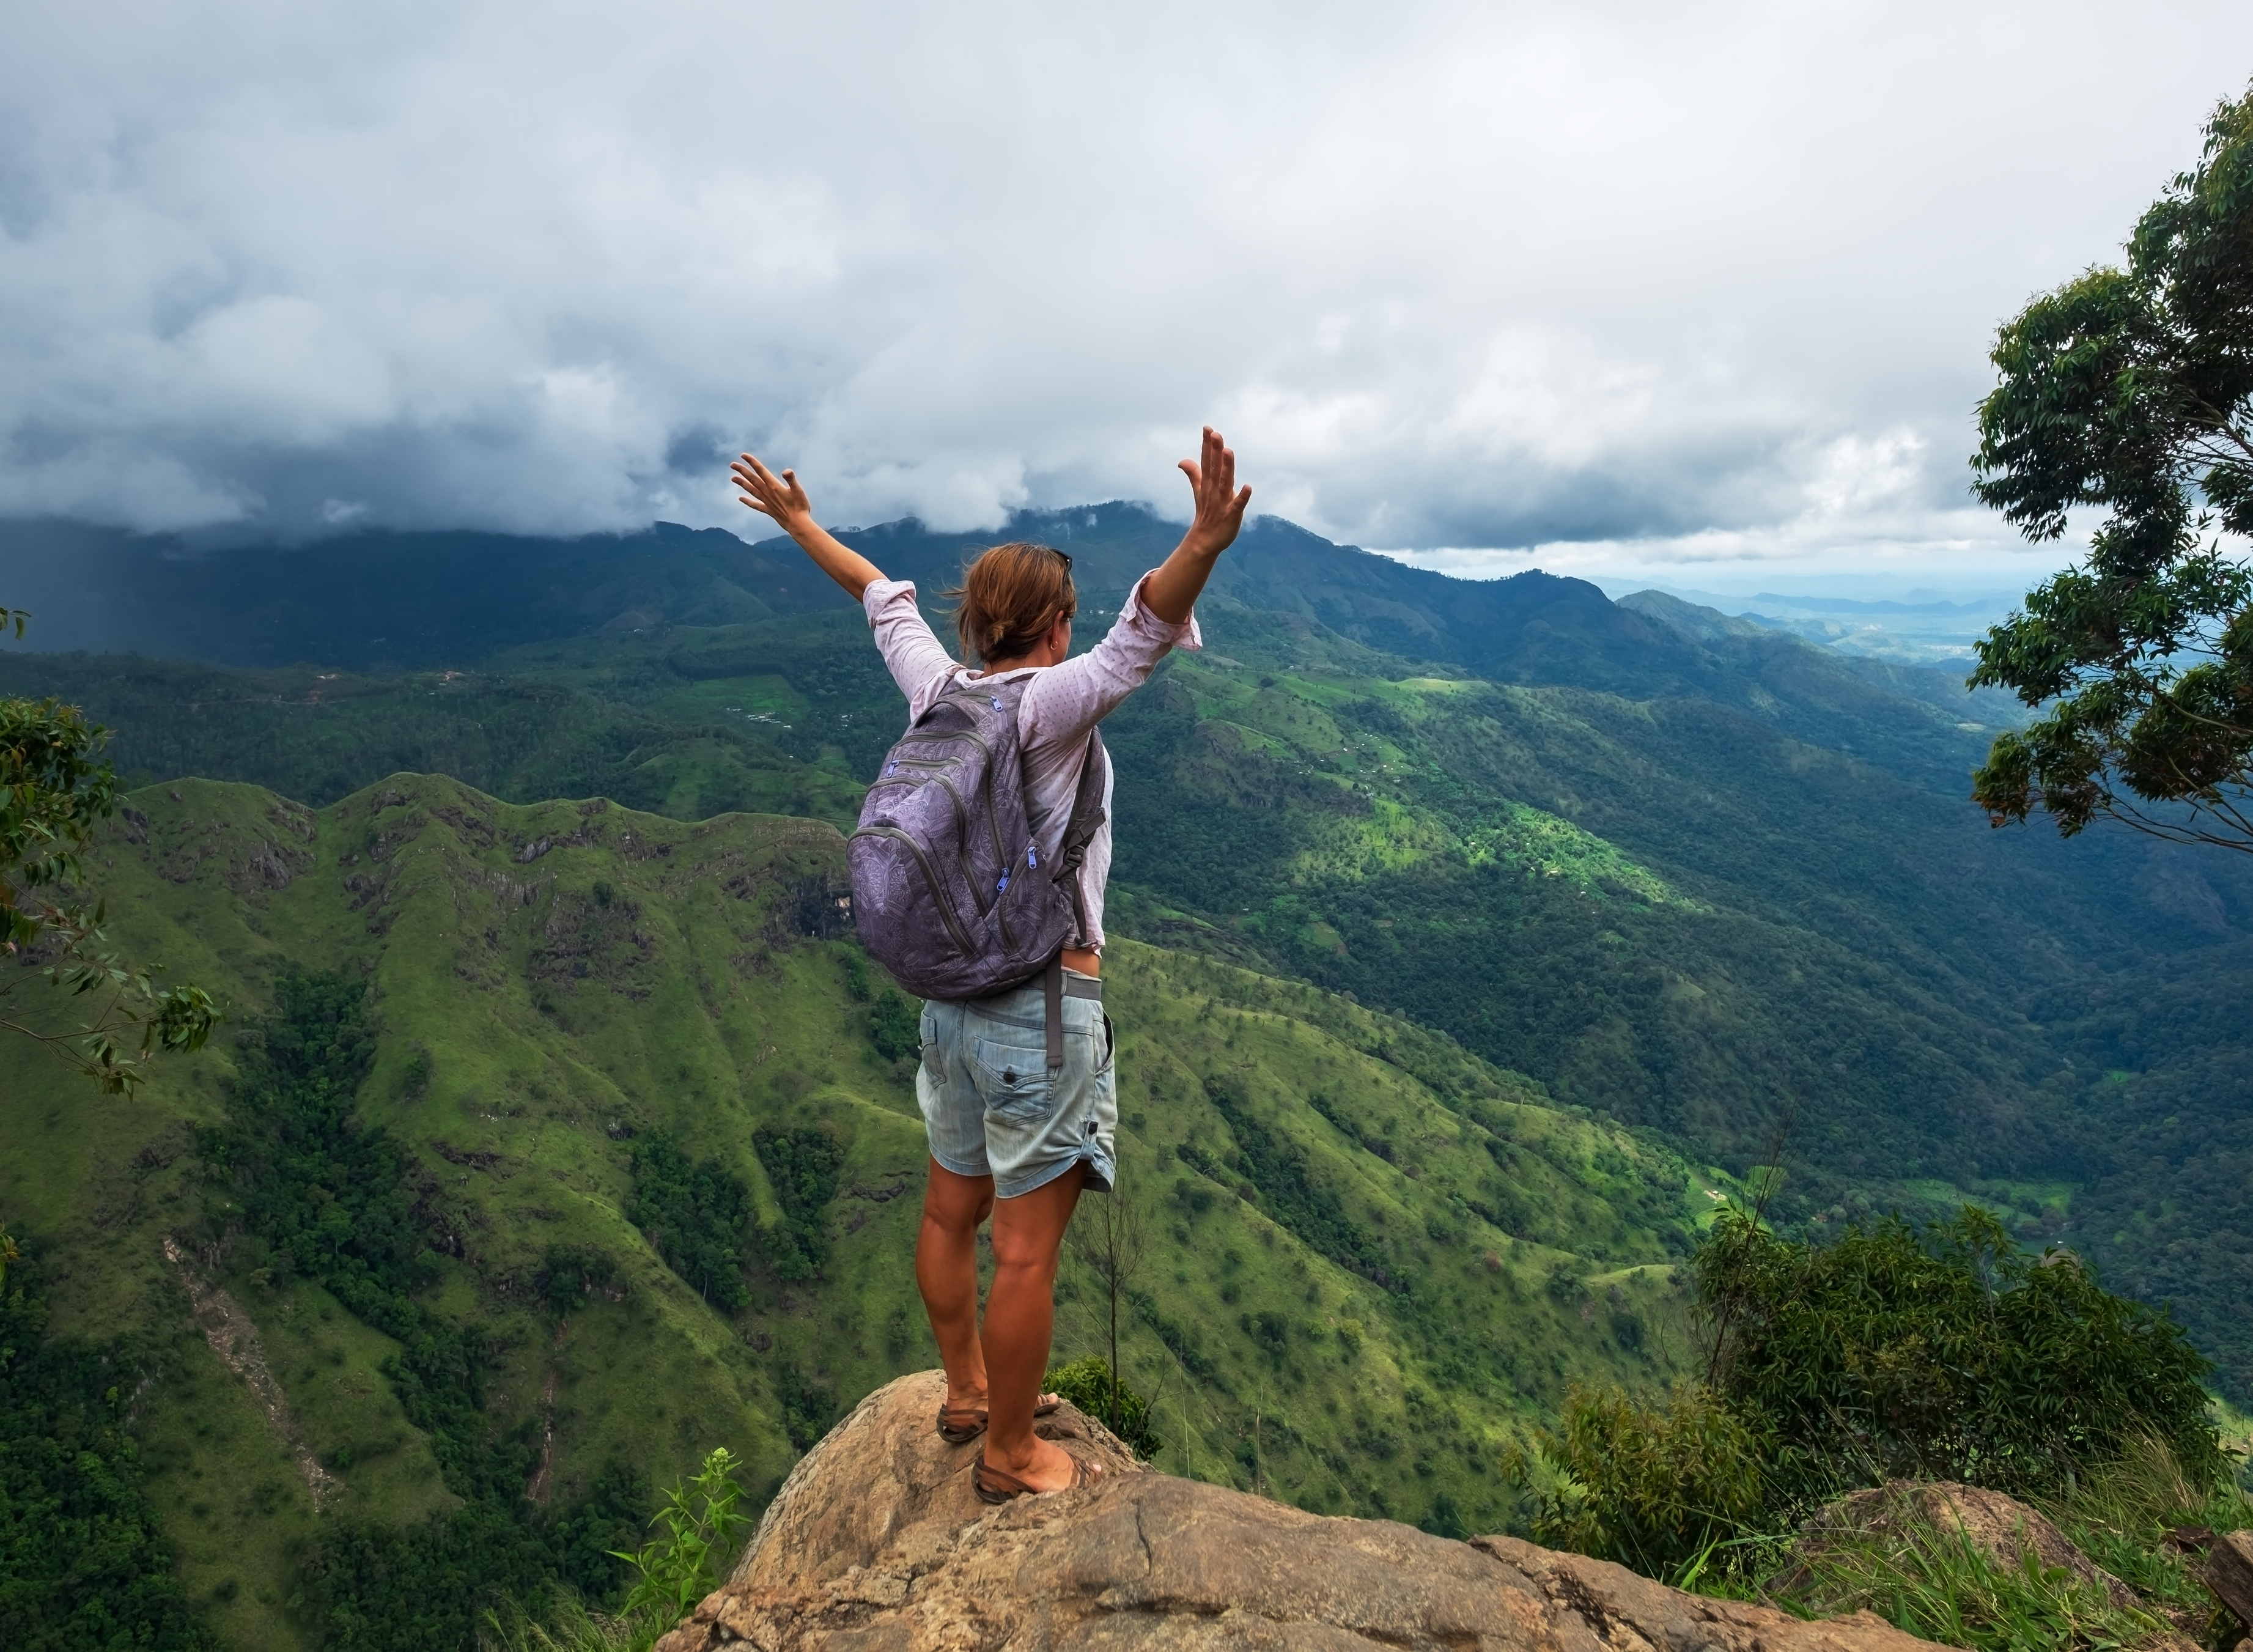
(1476, 939)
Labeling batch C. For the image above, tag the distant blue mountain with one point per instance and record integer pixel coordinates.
(384, 602)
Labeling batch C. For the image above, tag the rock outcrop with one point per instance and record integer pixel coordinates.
(877, 1544)
(2006, 1529)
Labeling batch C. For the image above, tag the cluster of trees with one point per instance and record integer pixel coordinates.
(83, 1558)
(1892, 1352)
(305, 1186)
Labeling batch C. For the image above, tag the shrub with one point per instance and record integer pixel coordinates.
(1944, 1353)
(1652, 1487)
(701, 1525)
(1894, 1351)
(1087, 1383)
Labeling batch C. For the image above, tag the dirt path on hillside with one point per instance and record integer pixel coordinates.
(233, 1337)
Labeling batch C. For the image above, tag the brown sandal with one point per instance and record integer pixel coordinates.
(960, 1425)
(999, 1485)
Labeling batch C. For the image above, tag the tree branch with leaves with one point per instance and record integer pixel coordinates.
(2132, 391)
(54, 788)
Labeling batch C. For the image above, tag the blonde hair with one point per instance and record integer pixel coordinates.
(1010, 597)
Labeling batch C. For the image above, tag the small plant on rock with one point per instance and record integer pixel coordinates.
(701, 1525)
(1090, 1384)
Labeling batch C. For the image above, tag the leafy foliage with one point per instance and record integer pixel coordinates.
(697, 1213)
(2132, 389)
(54, 788)
(83, 1559)
(1945, 1353)
(702, 1525)
(1655, 1487)
(1089, 1383)
(803, 1166)
(1890, 1353)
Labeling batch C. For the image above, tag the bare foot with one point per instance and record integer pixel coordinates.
(1044, 1466)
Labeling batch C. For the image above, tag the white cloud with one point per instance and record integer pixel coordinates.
(1630, 282)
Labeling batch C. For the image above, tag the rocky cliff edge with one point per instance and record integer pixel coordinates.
(877, 1544)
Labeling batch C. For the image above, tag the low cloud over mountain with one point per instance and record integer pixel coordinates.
(1717, 281)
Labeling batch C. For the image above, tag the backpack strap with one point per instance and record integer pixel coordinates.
(1052, 1003)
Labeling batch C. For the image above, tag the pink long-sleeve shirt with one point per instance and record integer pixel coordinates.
(1065, 701)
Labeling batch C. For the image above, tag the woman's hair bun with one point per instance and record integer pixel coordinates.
(1010, 597)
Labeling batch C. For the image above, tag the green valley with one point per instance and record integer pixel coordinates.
(1710, 883)
(1374, 1258)
(1472, 945)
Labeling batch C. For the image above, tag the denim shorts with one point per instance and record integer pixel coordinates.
(990, 1106)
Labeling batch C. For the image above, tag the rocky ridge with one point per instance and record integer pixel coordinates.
(877, 1544)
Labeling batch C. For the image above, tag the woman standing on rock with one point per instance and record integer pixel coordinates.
(1004, 1141)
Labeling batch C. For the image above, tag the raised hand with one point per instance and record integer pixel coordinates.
(777, 496)
(1219, 502)
(1173, 588)
(781, 500)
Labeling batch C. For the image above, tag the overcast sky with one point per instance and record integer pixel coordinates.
(1700, 290)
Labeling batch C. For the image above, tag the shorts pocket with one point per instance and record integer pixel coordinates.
(1110, 1047)
(933, 1063)
(1013, 1080)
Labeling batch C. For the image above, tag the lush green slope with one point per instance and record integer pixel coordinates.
(1373, 1256)
(528, 729)
(1685, 911)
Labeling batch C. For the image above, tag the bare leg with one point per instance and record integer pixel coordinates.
(1019, 1317)
(946, 1273)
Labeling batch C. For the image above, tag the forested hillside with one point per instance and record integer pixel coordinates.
(553, 1145)
(1701, 878)
(1483, 937)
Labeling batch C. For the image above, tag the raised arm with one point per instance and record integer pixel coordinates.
(781, 499)
(1173, 589)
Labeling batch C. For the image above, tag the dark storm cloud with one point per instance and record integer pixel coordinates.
(1714, 280)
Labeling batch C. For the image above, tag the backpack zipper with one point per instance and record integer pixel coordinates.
(938, 890)
(999, 908)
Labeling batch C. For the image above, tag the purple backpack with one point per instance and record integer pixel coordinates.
(949, 892)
